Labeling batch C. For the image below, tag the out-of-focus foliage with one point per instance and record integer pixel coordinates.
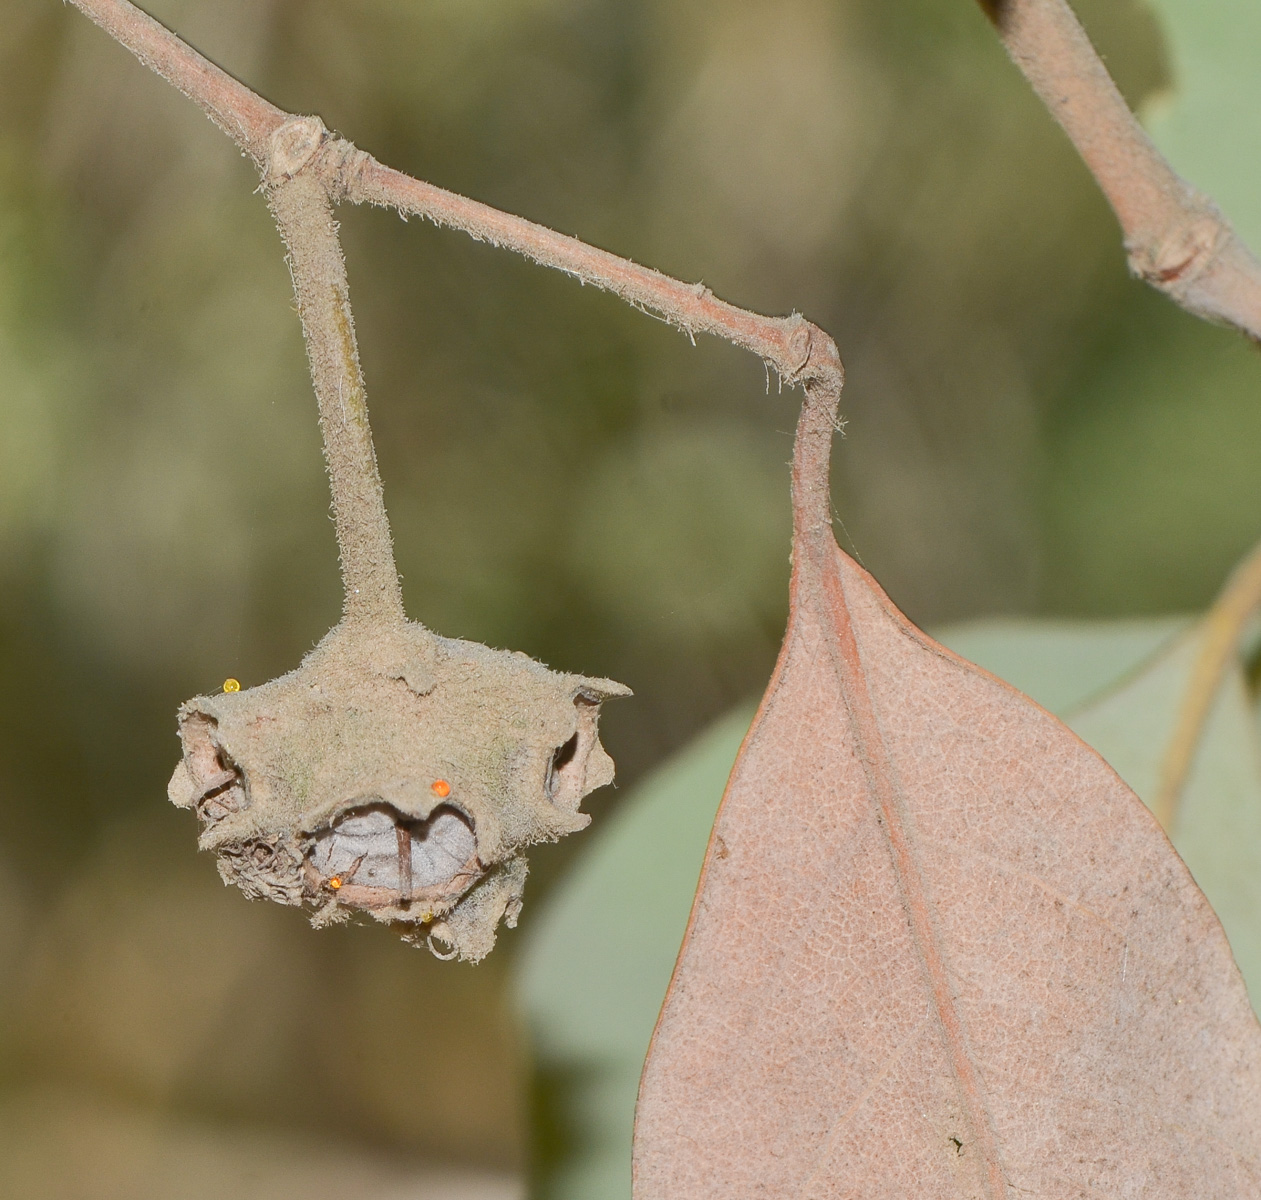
(1208, 123)
(597, 962)
(1027, 431)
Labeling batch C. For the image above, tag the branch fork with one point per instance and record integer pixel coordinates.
(1175, 239)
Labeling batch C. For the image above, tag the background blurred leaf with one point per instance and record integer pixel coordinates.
(1218, 825)
(1060, 664)
(1209, 122)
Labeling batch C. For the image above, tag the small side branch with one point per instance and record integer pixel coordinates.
(1176, 238)
(785, 343)
(1221, 632)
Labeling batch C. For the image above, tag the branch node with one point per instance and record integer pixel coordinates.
(808, 356)
(798, 342)
(292, 146)
(1182, 254)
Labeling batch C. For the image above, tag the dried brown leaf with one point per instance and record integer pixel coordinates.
(939, 948)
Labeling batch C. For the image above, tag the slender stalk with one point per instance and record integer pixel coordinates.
(304, 217)
(1176, 238)
(1221, 630)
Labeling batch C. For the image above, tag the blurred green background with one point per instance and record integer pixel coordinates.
(1029, 432)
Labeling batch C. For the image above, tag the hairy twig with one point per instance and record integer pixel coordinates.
(1220, 632)
(798, 350)
(304, 170)
(1175, 236)
(300, 204)
(785, 343)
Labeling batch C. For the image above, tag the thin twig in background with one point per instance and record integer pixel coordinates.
(1220, 632)
(1175, 236)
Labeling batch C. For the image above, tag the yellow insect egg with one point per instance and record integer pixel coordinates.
(231, 685)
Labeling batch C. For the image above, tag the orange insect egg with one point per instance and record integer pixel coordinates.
(334, 883)
(440, 787)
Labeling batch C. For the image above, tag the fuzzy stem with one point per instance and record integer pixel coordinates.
(785, 342)
(1176, 238)
(305, 219)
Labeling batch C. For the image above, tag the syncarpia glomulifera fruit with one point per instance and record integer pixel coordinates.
(396, 773)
